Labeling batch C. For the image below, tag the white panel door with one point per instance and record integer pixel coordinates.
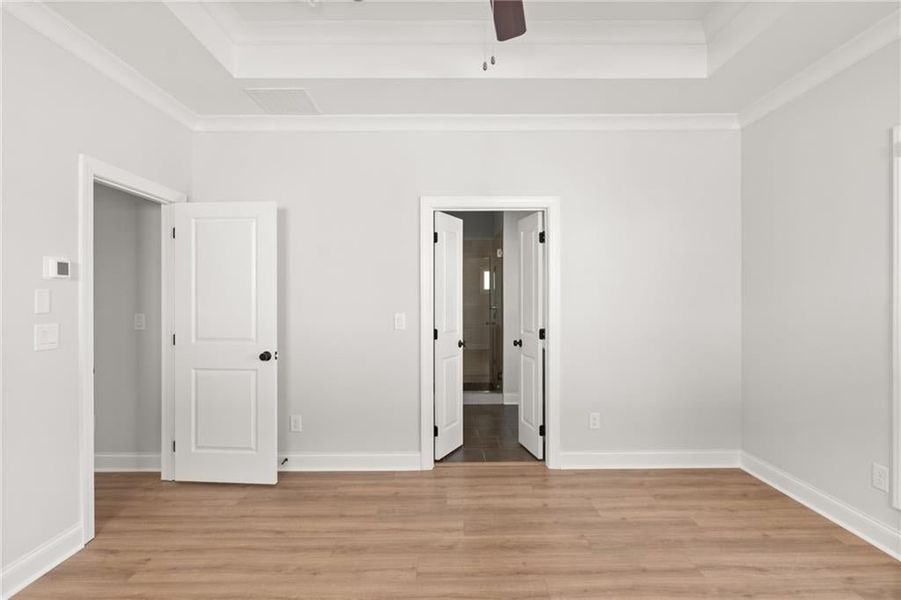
(224, 293)
(449, 334)
(531, 334)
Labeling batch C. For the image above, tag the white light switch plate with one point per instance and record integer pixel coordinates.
(400, 320)
(296, 423)
(140, 321)
(41, 301)
(880, 477)
(46, 336)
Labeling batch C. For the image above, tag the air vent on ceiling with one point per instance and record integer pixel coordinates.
(284, 101)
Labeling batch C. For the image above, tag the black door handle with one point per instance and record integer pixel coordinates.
(517, 343)
(461, 344)
(265, 356)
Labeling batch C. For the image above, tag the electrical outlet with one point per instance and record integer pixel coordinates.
(140, 321)
(880, 477)
(594, 420)
(296, 423)
(400, 321)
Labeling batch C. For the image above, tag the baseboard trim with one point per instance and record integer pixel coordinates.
(373, 461)
(511, 398)
(113, 462)
(863, 526)
(674, 459)
(24, 571)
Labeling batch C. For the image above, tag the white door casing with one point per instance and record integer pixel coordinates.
(551, 207)
(531, 327)
(225, 303)
(449, 327)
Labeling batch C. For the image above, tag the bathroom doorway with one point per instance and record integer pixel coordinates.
(483, 308)
(530, 309)
(490, 412)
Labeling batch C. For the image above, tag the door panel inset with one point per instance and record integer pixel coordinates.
(225, 406)
(225, 279)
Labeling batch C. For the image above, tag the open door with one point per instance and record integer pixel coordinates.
(224, 291)
(448, 334)
(531, 333)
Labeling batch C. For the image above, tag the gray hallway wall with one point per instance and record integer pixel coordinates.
(127, 361)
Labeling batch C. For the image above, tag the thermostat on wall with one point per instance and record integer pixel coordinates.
(57, 268)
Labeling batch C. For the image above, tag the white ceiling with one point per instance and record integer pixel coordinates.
(425, 56)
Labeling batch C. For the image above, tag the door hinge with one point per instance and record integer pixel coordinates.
(436, 237)
(435, 334)
(542, 237)
(173, 339)
(541, 430)
(436, 431)
(542, 333)
(173, 445)
(173, 233)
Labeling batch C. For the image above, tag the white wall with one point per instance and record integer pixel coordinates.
(54, 107)
(651, 274)
(817, 284)
(127, 362)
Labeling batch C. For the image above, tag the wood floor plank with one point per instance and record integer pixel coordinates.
(481, 531)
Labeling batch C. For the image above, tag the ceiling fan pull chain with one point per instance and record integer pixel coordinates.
(485, 49)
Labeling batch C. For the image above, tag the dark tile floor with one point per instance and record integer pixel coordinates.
(490, 434)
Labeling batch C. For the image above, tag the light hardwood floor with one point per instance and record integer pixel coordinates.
(474, 531)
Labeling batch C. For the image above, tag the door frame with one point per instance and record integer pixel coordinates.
(895, 478)
(90, 172)
(429, 205)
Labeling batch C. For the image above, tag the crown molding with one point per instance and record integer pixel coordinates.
(207, 29)
(57, 29)
(877, 37)
(375, 123)
(731, 30)
(719, 16)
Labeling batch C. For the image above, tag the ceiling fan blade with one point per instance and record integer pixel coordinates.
(509, 19)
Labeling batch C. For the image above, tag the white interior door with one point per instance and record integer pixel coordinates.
(225, 342)
(448, 334)
(531, 333)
